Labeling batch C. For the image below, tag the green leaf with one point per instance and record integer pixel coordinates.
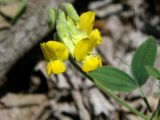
(153, 72)
(113, 79)
(144, 56)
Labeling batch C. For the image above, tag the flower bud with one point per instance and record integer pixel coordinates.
(61, 17)
(70, 10)
(64, 36)
(52, 18)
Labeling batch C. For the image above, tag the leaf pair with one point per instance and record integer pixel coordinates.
(118, 80)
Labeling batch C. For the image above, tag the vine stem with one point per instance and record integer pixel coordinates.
(108, 92)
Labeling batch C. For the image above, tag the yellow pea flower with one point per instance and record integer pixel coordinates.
(84, 47)
(68, 32)
(55, 53)
(80, 38)
(56, 67)
(87, 45)
(91, 63)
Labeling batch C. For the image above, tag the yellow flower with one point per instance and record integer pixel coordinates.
(91, 63)
(80, 38)
(68, 32)
(85, 47)
(56, 67)
(55, 53)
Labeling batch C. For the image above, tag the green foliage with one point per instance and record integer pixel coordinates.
(114, 79)
(117, 80)
(144, 56)
(153, 72)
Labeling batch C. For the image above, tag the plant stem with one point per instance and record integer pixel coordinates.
(156, 113)
(143, 97)
(108, 92)
(124, 103)
(145, 100)
(77, 67)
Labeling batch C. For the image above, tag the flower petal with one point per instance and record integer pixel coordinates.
(91, 63)
(94, 40)
(81, 49)
(56, 67)
(47, 52)
(58, 49)
(86, 21)
(49, 69)
(95, 36)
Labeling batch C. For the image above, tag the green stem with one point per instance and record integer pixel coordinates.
(147, 104)
(143, 97)
(106, 91)
(124, 103)
(77, 67)
(156, 113)
(145, 100)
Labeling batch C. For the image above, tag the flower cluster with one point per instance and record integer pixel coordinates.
(74, 37)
